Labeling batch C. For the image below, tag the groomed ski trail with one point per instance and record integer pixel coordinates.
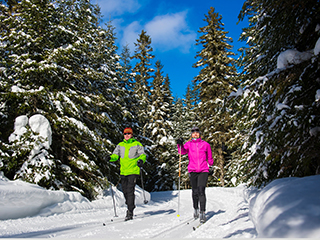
(227, 213)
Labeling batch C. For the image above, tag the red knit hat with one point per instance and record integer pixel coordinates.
(127, 130)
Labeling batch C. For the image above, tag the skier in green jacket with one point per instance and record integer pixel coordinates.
(132, 157)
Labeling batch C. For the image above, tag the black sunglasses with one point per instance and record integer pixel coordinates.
(195, 131)
(126, 133)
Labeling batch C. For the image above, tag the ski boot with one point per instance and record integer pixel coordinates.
(203, 218)
(129, 215)
(196, 214)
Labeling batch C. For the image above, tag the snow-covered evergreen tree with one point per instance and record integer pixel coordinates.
(160, 109)
(160, 128)
(126, 84)
(167, 93)
(142, 71)
(290, 24)
(58, 62)
(142, 74)
(192, 99)
(216, 81)
(280, 101)
(127, 77)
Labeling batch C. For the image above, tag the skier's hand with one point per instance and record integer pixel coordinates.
(210, 172)
(140, 163)
(110, 159)
(179, 141)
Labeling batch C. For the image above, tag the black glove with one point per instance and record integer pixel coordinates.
(210, 172)
(179, 141)
(140, 163)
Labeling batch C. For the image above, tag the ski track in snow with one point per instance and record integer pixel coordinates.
(227, 217)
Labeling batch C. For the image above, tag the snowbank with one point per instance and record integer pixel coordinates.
(288, 208)
(20, 199)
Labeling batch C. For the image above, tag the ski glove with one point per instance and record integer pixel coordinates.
(140, 163)
(180, 141)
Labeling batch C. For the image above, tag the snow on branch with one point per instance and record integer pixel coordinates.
(291, 56)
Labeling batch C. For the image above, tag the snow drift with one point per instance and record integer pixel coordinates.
(20, 199)
(288, 207)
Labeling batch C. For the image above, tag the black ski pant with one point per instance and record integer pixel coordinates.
(128, 184)
(198, 184)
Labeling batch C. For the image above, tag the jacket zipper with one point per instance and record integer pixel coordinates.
(198, 158)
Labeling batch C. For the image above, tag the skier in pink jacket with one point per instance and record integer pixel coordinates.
(200, 157)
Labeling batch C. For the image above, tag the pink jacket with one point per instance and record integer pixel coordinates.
(199, 152)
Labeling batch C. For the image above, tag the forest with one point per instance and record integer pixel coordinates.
(61, 67)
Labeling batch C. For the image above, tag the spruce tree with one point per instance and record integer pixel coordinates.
(279, 102)
(266, 22)
(160, 128)
(127, 78)
(168, 95)
(191, 102)
(142, 70)
(126, 84)
(216, 81)
(142, 74)
(60, 64)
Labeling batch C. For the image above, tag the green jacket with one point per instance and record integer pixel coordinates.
(129, 152)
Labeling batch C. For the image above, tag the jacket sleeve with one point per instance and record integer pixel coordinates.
(116, 154)
(142, 154)
(184, 148)
(209, 155)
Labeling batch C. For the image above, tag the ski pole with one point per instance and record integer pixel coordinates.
(144, 197)
(179, 183)
(114, 204)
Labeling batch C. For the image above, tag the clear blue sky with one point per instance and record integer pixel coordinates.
(173, 27)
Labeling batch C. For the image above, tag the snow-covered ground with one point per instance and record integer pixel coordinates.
(285, 208)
